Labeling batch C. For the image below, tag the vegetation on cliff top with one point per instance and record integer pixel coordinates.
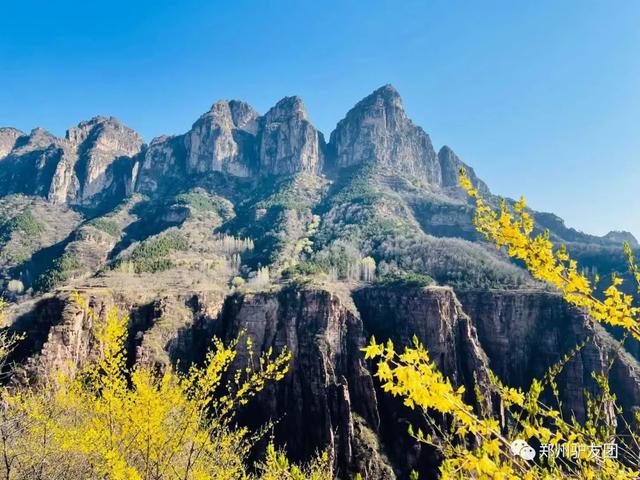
(200, 200)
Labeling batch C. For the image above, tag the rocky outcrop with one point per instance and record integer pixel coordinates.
(621, 236)
(450, 165)
(161, 166)
(327, 382)
(378, 131)
(98, 144)
(232, 139)
(81, 169)
(30, 166)
(288, 143)
(8, 139)
(222, 140)
(58, 336)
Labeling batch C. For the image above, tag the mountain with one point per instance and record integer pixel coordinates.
(80, 169)
(256, 223)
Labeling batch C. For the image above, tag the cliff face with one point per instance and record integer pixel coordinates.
(329, 398)
(435, 317)
(327, 382)
(288, 143)
(377, 131)
(75, 170)
(221, 140)
(525, 332)
(96, 148)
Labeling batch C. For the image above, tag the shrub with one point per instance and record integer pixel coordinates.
(408, 280)
(200, 200)
(110, 421)
(59, 272)
(27, 223)
(151, 255)
(302, 269)
(358, 188)
(499, 450)
(24, 222)
(105, 225)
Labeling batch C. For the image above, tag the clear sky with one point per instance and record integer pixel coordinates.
(541, 97)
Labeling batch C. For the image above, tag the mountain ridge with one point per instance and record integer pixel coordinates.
(231, 138)
(215, 143)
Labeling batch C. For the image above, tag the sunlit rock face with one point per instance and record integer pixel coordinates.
(378, 131)
(8, 139)
(78, 170)
(288, 143)
(222, 140)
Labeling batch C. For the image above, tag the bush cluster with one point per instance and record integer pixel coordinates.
(407, 280)
(151, 255)
(59, 272)
(105, 225)
(24, 222)
(200, 201)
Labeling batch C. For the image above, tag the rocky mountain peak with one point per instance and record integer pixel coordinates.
(389, 95)
(8, 138)
(450, 165)
(82, 165)
(286, 108)
(96, 126)
(621, 236)
(243, 115)
(287, 142)
(377, 131)
(40, 138)
(231, 138)
(230, 114)
(216, 140)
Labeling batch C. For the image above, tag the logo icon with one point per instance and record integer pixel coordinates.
(523, 449)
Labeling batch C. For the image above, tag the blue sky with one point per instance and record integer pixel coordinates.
(541, 97)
